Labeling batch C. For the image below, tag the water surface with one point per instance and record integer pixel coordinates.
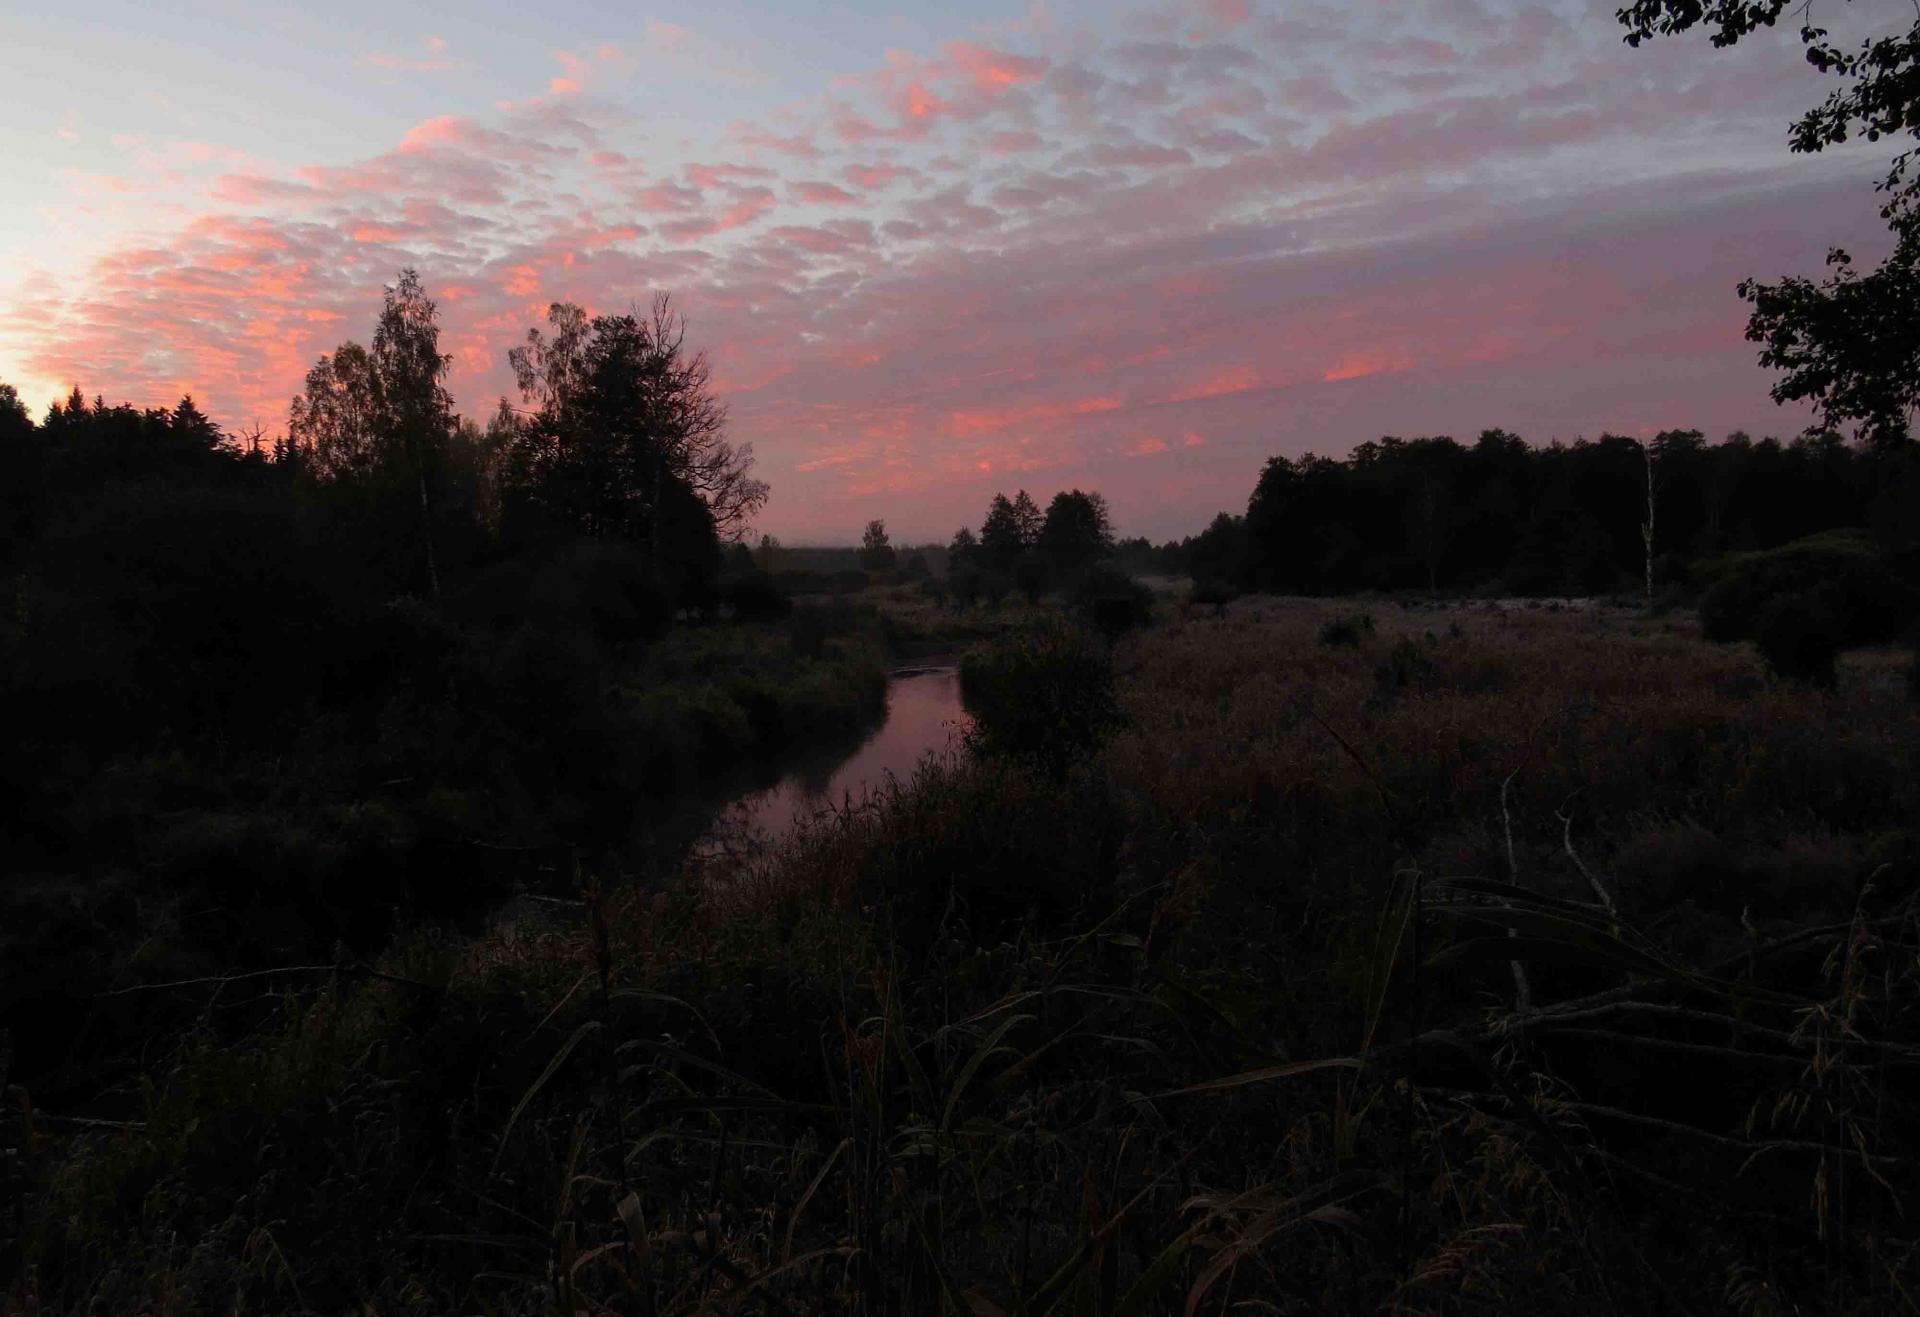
(923, 716)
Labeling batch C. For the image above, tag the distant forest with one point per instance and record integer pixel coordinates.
(1566, 519)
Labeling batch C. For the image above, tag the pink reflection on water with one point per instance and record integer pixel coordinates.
(924, 716)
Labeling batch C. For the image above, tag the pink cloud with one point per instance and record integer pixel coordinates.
(874, 177)
(816, 193)
(1042, 254)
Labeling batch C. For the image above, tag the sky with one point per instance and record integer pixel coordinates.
(936, 251)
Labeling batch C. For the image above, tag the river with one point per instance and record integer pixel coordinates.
(924, 716)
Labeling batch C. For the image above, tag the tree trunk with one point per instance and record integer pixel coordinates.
(426, 530)
(1646, 527)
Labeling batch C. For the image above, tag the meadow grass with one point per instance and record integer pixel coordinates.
(1500, 960)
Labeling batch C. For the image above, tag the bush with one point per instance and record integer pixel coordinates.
(811, 625)
(1033, 575)
(1800, 636)
(1347, 629)
(1216, 592)
(1044, 692)
(1407, 664)
(753, 597)
(1111, 600)
(967, 583)
(1868, 601)
(603, 586)
(996, 586)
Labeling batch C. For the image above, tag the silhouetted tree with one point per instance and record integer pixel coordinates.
(962, 550)
(1011, 528)
(383, 418)
(768, 556)
(1077, 530)
(876, 553)
(1851, 344)
(623, 409)
(627, 441)
(193, 427)
(1219, 553)
(19, 474)
(417, 410)
(1033, 575)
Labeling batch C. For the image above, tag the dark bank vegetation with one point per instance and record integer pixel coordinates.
(1494, 960)
(263, 702)
(1288, 956)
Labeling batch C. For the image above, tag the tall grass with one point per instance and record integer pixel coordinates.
(1220, 1019)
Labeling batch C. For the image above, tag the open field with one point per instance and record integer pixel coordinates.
(1485, 959)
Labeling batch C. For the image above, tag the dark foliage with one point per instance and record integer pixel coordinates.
(1800, 636)
(1864, 600)
(1349, 629)
(1044, 693)
(1110, 600)
(1565, 519)
(1851, 344)
(754, 597)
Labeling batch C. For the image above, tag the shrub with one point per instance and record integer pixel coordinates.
(754, 597)
(1044, 692)
(1214, 591)
(967, 583)
(1111, 600)
(1868, 601)
(1033, 575)
(1407, 664)
(1800, 636)
(810, 626)
(1347, 629)
(996, 586)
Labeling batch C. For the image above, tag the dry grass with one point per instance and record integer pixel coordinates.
(1218, 1019)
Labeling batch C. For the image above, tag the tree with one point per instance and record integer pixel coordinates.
(1851, 344)
(383, 416)
(335, 423)
(623, 410)
(1012, 527)
(1077, 530)
(1028, 516)
(876, 554)
(1218, 555)
(768, 556)
(962, 550)
(19, 473)
(416, 407)
(191, 424)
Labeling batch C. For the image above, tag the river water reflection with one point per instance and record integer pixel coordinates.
(924, 715)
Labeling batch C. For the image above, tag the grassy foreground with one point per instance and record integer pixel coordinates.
(1522, 961)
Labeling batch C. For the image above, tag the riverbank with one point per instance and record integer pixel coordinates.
(479, 764)
(1171, 1023)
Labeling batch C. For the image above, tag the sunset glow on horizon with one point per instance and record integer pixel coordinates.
(1043, 246)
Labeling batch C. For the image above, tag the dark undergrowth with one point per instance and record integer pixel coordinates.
(469, 762)
(1570, 968)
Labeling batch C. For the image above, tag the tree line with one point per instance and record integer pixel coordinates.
(1587, 517)
(168, 578)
